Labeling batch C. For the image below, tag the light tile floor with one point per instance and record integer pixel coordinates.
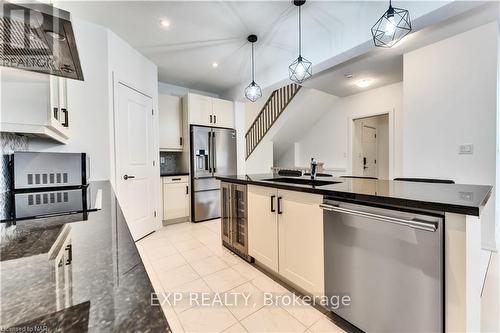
(189, 258)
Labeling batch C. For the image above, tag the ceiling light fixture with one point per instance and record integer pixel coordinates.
(391, 27)
(164, 23)
(364, 83)
(301, 69)
(253, 91)
(215, 65)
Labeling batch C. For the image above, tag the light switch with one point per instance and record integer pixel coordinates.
(466, 149)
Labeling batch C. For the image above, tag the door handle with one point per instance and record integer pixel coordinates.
(279, 206)
(414, 223)
(66, 120)
(213, 152)
(128, 177)
(69, 248)
(209, 156)
(272, 204)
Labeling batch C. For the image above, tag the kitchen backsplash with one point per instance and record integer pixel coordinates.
(170, 162)
(9, 143)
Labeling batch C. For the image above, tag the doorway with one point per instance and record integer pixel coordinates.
(370, 147)
(135, 181)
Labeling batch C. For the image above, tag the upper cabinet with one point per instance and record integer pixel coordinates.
(170, 114)
(35, 104)
(209, 111)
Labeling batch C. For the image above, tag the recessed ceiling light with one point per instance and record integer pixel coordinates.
(364, 83)
(164, 23)
(349, 76)
(215, 65)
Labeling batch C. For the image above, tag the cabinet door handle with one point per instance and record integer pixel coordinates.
(56, 113)
(215, 119)
(69, 248)
(210, 119)
(187, 189)
(279, 206)
(272, 204)
(176, 179)
(180, 141)
(66, 120)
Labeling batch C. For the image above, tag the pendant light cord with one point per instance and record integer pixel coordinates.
(253, 66)
(300, 32)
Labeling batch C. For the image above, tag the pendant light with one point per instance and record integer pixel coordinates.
(253, 91)
(391, 27)
(301, 69)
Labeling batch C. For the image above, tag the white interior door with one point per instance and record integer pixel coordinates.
(134, 160)
(369, 147)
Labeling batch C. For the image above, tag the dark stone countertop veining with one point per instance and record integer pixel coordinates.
(454, 198)
(67, 274)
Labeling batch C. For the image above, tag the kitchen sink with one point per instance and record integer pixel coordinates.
(302, 181)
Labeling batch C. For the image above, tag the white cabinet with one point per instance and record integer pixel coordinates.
(263, 225)
(285, 230)
(170, 125)
(34, 104)
(209, 111)
(176, 198)
(301, 240)
(223, 112)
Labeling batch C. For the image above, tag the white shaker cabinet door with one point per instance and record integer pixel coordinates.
(263, 225)
(170, 128)
(301, 240)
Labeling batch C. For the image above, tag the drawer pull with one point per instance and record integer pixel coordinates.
(176, 179)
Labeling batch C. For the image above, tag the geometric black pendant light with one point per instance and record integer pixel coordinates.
(301, 69)
(253, 91)
(391, 27)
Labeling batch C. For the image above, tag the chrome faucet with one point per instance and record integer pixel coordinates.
(313, 168)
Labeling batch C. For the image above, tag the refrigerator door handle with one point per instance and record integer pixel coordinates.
(214, 159)
(209, 153)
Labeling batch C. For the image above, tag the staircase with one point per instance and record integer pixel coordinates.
(270, 112)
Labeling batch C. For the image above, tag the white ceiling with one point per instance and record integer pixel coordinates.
(215, 31)
(381, 68)
(385, 66)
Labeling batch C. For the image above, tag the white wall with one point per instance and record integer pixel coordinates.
(450, 98)
(329, 139)
(171, 89)
(87, 103)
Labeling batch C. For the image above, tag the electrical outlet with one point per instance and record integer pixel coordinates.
(162, 160)
(467, 149)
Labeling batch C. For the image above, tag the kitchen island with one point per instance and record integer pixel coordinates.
(413, 247)
(76, 273)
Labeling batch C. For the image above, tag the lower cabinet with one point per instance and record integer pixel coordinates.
(176, 199)
(286, 235)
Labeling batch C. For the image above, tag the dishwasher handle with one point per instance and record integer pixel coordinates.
(415, 224)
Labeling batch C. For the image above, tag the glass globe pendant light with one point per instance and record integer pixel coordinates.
(301, 69)
(391, 27)
(253, 91)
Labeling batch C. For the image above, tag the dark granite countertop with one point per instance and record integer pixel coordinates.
(67, 274)
(453, 198)
(171, 174)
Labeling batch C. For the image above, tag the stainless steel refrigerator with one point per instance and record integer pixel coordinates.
(213, 153)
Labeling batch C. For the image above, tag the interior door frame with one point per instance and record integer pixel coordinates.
(392, 132)
(155, 171)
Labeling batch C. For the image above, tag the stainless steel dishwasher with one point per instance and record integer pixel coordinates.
(390, 264)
